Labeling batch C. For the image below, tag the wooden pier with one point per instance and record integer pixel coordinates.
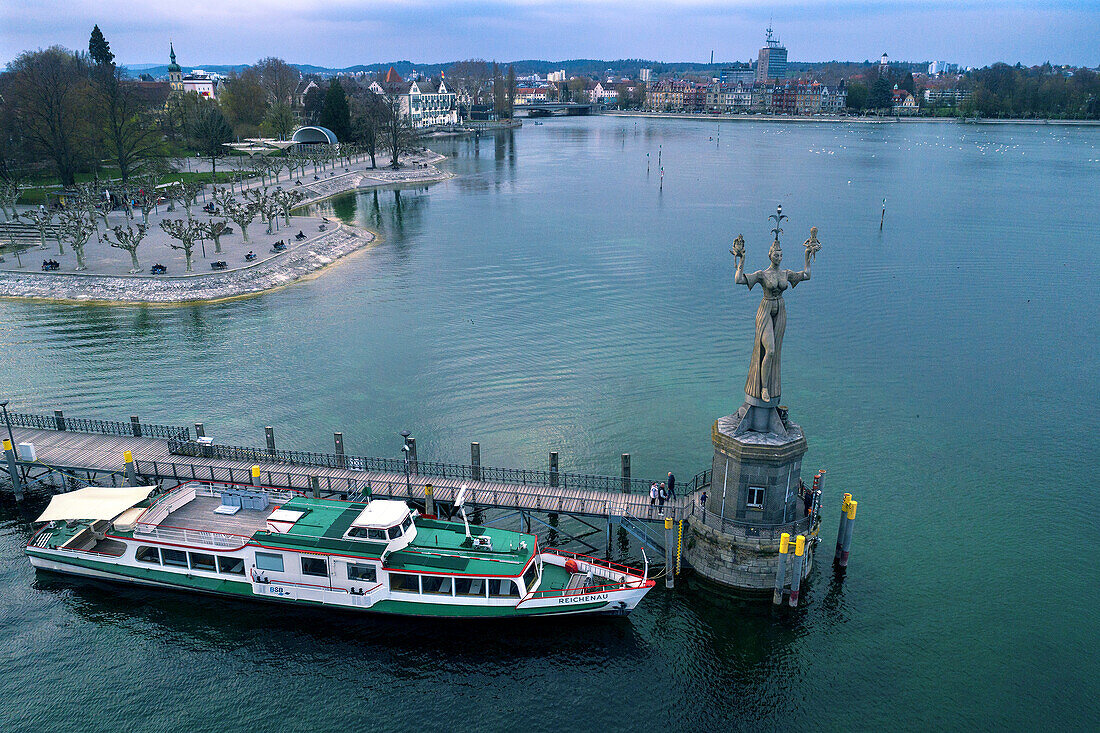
(92, 451)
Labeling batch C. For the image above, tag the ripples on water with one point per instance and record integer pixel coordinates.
(555, 297)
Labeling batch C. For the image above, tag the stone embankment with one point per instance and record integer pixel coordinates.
(277, 270)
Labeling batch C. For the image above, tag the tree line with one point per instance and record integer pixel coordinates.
(1000, 90)
(65, 112)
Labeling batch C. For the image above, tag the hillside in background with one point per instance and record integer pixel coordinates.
(575, 67)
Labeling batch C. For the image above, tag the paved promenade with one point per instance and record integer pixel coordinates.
(108, 276)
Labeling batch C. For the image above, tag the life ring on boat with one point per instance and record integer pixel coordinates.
(571, 566)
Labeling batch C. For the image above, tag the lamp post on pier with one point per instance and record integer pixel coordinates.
(405, 449)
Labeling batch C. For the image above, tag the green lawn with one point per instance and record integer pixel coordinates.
(36, 193)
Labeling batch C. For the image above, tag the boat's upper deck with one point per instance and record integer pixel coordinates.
(438, 547)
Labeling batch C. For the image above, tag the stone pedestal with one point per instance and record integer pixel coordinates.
(746, 461)
(751, 500)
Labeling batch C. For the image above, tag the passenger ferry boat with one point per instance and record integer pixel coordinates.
(377, 556)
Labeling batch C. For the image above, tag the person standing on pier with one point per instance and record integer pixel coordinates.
(653, 493)
(671, 486)
(662, 495)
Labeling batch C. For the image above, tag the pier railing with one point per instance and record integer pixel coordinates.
(184, 446)
(739, 527)
(99, 427)
(530, 498)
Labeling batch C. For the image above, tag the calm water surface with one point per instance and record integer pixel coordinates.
(554, 296)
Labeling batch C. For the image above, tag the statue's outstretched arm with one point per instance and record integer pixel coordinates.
(739, 277)
(812, 248)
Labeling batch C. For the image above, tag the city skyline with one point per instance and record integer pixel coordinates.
(342, 33)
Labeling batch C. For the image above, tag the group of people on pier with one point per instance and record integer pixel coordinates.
(661, 492)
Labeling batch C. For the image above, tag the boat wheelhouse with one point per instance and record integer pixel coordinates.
(379, 556)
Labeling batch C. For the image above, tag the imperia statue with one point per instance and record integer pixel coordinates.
(771, 317)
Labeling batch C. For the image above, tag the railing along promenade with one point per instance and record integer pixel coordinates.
(167, 452)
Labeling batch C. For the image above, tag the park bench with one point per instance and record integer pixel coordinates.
(218, 265)
(158, 269)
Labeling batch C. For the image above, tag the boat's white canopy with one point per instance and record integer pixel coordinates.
(94, 502)
(382, 513)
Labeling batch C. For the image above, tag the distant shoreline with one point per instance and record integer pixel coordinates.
(843, 119)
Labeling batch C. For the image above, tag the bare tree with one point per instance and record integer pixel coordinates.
(186, 192)
(48, 90)
(287, 201)
(367, 122)
(279, 79)
(215, 229)
(187, 231)
(144, 192)
(42, 220)
(129, 130)
(127, 238)
(397, 130)
(77, 229)
(9, 195)
(468, 79)
(265, 205)
(242, 214)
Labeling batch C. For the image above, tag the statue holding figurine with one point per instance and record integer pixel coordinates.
(763, 382)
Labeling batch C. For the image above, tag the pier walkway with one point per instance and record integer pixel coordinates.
(93, 450)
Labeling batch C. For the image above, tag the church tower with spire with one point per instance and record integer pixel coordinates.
(175, 73)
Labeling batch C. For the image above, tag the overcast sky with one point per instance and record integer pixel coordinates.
(342, 33)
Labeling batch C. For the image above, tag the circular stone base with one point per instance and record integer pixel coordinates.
(747, 564)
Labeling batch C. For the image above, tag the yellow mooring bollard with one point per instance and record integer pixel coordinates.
(850, 515)
(131, 470)
(781, 570)
(796, 571)
(255, 475)
(843, 527)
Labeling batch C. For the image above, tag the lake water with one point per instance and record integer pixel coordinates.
(556, 296)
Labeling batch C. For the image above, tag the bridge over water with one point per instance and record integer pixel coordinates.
(545, 109)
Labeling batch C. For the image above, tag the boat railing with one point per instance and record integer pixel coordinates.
(185, 536)
(608, 565)
(164, 505)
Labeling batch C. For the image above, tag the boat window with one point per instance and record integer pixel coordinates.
(470, 587)
(177, 558)
(148, 554)
(366, 573)
(530, 576)
(231, 565)
(202, 561)
(405, 583)
(395, 532)
(315, 566)
(406, 524)
(437, 584)
(269, 561)
(376, 534)
(502, 588)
